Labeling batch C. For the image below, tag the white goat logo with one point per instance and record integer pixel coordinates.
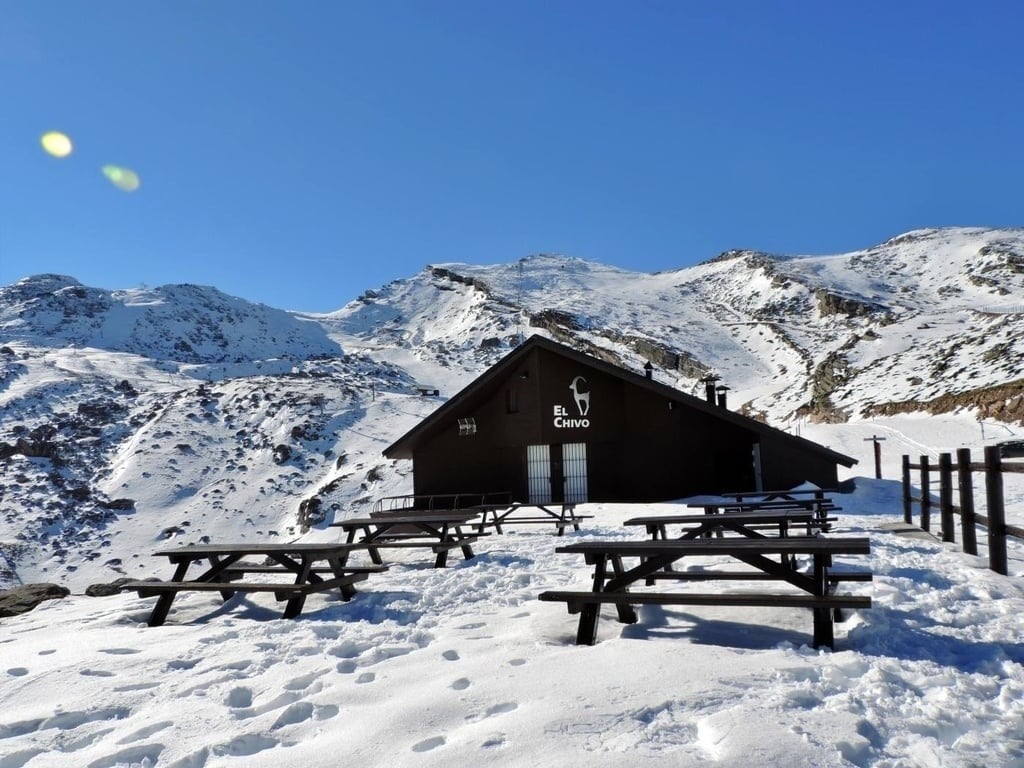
(582, 398)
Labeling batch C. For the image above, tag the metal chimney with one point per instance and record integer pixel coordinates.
(721, 389)
(649, 370)
(709, 387)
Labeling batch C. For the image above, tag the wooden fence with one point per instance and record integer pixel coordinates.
(995, 521)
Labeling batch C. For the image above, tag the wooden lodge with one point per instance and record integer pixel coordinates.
(550, 424)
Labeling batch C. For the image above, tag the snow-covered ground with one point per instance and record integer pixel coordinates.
(464, 666)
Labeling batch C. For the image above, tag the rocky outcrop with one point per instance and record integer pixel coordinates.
(107, 589)
(662, 355)
(26, 597)
(474, 282)
(830, 374)
(830, 303)
(1001, 403)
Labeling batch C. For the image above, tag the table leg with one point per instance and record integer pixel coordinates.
(295, 604)
(586, 632)
(467, 550)
(368, 537)
(823, 628)
(348, 591)
(164, 601)
(627, 613)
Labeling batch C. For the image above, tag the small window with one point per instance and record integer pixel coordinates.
(467, 427)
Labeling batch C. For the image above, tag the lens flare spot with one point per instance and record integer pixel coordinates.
(56, 144)
(124, 179)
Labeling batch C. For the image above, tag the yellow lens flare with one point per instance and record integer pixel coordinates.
(124, 179)
(56, 144)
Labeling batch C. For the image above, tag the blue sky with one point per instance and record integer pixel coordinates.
(299, 153)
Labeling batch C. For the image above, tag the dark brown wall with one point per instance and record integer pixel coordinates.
(785, 465)
(638, 448)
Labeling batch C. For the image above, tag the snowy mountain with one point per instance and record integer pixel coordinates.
(131, 417)
(929, 319)
(135, 420)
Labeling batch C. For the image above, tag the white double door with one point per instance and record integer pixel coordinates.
(557, 473)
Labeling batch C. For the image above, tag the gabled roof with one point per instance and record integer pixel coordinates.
(483, 386)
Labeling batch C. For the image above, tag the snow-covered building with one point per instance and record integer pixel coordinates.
(549, 424)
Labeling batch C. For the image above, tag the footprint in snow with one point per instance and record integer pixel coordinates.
(451, 655)
(239, 698)
(461, 684)
(428, 744)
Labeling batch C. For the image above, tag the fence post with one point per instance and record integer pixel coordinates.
(996, 511)
(966, 484)
(908, 514)
(946, 496)
(926, 496)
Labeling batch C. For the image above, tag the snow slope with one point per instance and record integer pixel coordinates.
(463, 665)
(117, 440)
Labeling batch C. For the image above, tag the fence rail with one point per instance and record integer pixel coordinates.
(994, 522)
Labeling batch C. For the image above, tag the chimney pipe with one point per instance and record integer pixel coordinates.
(649, 370)
(709, 387)
(722, 389)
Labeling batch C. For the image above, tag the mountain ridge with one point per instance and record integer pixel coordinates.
(114, 438)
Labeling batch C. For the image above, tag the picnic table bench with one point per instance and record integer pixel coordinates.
(744, 523)
(612, 579)
(544, 514)
(228, 572)
(821, 507)
(750, 524)
(792, 493)
(441, 532)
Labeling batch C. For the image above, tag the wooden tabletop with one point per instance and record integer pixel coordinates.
(785, 515)
(255, 548)
(434, 518)
(710, 547)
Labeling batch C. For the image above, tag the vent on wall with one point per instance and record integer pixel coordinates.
(467, 427)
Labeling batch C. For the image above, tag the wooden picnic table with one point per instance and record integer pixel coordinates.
(821, 507)
(750, 524)
(612, 580)
(438, 531)
(743, 523)
(302, 565)
(536, 514)
(792, 493)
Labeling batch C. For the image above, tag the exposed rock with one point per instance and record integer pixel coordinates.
(311, 512)
(26, 597)
(118, 504)
(107, 589)
(1002, 403)
(830, 303)
(447, 274)
(665, 357)
(831, 373)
